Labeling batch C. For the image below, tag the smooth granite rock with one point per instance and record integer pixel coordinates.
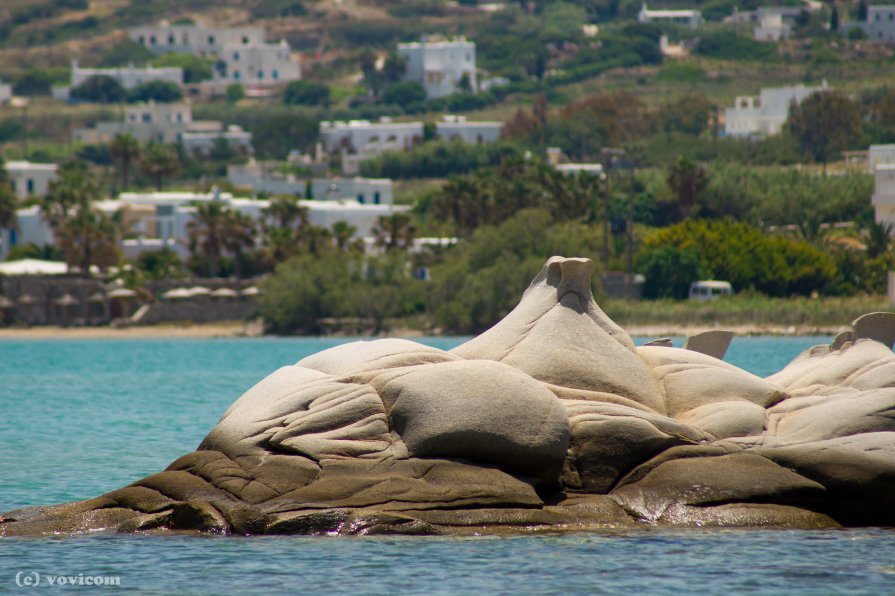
(551, 420)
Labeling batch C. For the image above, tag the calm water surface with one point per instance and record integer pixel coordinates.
(79, 418)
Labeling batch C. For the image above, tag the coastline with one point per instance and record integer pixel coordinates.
(235, 329)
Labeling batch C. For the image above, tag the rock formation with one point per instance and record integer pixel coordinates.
(552, 419)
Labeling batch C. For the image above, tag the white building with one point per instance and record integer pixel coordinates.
(684, 18)
(878, 155)
(160, 219)
(771, 27)
(167, 123)
(764, 115)
(5, 93)
(257, 64)
(440, 65)
(476, 132)
(242, 54)
(194, 39)
(128, 76)
(883, 199)
(880, 25)
(30, 179)
(272, 179)
(359, 140)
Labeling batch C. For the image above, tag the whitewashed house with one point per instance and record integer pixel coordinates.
(30, 179)
(685, 18)
(475, 132)
(194, 38)
(880, 23)
(241, 53)
(766, 114)
(5, 93)
(440, 65)
(883, 199)
(257, 64)
(167, 123)
(273, 179)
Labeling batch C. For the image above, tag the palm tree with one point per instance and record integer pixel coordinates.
(207, 231)
(88, 237)
(394, 231)
(287, 212)
(343, 232)
(239, 234)
(73, 189)
(877, 238)
(159, 162)
(124, 151)
(687, 180)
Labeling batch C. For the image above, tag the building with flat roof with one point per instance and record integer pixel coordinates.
(241, 53)
(167, 123)
(766, 114)
(684, 18)
(30, 179)
(195, 39)
(274, 179)
(443, 67)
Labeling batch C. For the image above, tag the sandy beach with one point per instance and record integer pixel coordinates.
(255, 329)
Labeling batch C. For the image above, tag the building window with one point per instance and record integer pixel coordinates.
(29, 184)
(360, 199)
(260, 74)
(891, 16)
(236, 75)
(245, 41)
(376, 198)
(275, 74)
(236, 55)
(171, 40)
(877, 17)
(13, 237)
(147, 118)
(152, 39)
(143, 39)
(179, 117)
(211, 40)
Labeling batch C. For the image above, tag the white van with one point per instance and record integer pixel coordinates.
(709, 289)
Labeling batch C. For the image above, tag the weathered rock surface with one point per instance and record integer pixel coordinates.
(551, 420)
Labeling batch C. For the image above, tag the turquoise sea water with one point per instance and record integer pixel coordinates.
(79, 418)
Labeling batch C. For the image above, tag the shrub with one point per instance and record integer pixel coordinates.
(306, 93)
(160, 91)
(100, 89)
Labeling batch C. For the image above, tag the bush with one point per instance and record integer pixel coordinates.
(403, 94)
(160, 91)
(744, 256)
(195, 68)
(34, 81)
(306, 93)
(669, 271)
(235, 92)
(126, 52)
(268, 9)
(727, 45)
(100, 89)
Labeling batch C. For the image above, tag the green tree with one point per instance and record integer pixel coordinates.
(306, 93)
(124, 150)
(394, 68)
(687, 181)
(343, 232)
(160, 264)
(834, 19)
(100, 89)
(403, 94)
(195, 68)
(239, 236)
(688, 114)
(126, 51)
(235, 92)
(862, 11)
(207, 234)
(825, 123)
(394, 232)
(86, 236)
(158, 91)
(669, 271)
(159, 161)
(877, 238)
(34, 81)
